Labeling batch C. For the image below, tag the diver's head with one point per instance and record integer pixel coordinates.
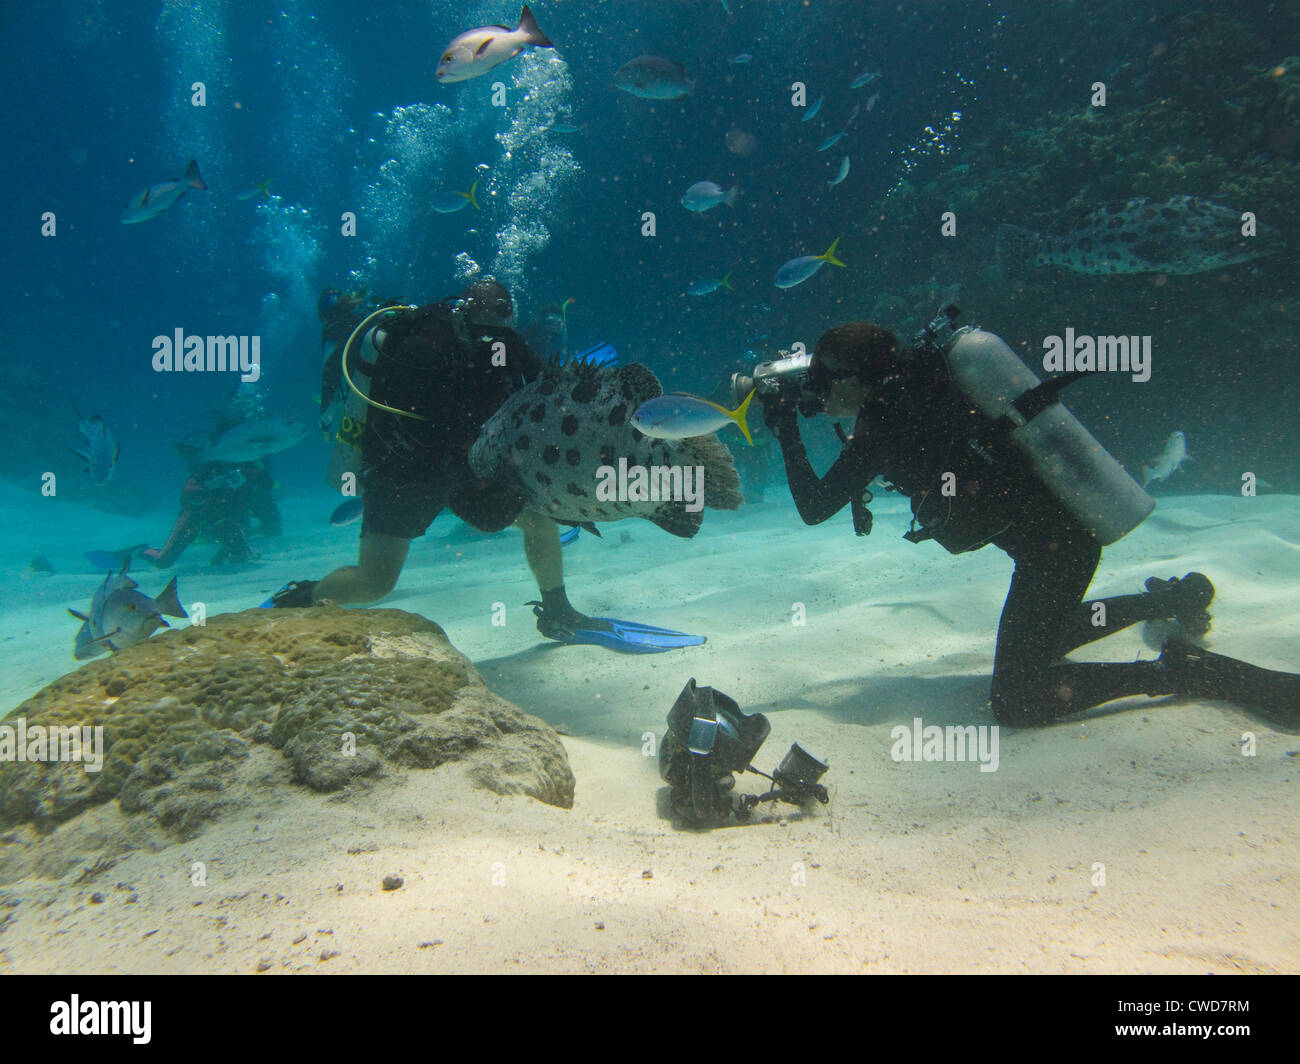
(487, 302)
(334, 304)
(848, 362)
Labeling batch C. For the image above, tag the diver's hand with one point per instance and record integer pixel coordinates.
(779, 412)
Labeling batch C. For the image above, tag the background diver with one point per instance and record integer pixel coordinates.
(921, 432)
(433, 382)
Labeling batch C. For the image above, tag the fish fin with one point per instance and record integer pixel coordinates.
(486, 41)
(677, 520)
(528, 25)
(740, 413)
(725, 280)
(84, 457)
(265, 186)
(192, 177)
(733, 194)
(830, 253)
(79, 616)
(591, 527)
(168, 602)
(473, 190)
(721, 481)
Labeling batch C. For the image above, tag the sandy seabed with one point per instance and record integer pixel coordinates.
(1140, 840)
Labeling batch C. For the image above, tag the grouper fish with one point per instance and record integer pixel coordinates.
(562, 434)
(1183, 235)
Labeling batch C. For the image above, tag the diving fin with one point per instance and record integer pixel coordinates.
(629, 637)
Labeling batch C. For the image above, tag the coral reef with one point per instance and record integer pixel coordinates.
(340, 693)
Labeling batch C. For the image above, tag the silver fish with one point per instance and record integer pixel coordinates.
(831, 141)
(157, 198)
(653, 78)
(121, 616)
(705, 195)
(251, 440)
(562, 434)
(475, 52)
(1183, 235)
(1173, 456)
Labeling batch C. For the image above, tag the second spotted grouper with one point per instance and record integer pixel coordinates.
(568, 437)
(1182, 235)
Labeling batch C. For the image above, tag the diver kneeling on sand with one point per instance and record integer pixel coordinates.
(987, 455)
(436, 374)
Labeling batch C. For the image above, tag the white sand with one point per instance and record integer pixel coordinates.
(912, 867)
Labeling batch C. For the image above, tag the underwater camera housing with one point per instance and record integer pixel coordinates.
(786, 375)
(941, 332)
(708, 740)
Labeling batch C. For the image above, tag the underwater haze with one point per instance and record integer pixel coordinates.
(673, 192)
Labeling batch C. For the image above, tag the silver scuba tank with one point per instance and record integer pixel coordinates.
(1079, 472)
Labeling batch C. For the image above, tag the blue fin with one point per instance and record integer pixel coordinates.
(569, 536)
(630, 637)
(600, 355)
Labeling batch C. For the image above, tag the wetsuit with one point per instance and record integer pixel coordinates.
(217, 500)
(412, 467)
(914, 428)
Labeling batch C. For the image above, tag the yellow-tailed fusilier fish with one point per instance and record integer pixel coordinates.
(796, 271)
(680, 416)
(448, 201)
(257, 190)
(157, 198)
(844, 172)
(475, 52)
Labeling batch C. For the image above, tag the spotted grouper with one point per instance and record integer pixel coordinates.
(568, 439)
(1182, 235)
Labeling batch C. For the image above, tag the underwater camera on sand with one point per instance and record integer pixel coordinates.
(709, 739)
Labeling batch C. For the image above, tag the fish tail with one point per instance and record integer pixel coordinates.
(725, 281)
(192, 177)
(471, 194)
(265, 186)
(733, 194)
(168, 602)
(528, 25)
(741, 413)
(830, 253)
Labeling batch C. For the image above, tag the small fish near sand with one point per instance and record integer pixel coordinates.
(680, 416)
(474, 52)
(798, 270)
(1183, 235)
(122, 616)
(160, 197)
(1170, 460)
(97, 447)
(651, 77)
(347, 512)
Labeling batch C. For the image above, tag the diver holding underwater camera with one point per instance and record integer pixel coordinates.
(987, 454)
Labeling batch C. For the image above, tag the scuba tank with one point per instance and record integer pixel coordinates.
(1079, 472)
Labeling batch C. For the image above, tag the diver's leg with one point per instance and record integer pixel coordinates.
(184, 532)
(1184, 600)
(542, 549)
(374, 576)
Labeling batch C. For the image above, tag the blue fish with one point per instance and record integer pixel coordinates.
(796, 271)
(705, 285)
(680, 416)
(865, 79)
(258, 189)
(347, 512)
(812, 111)
(741, 60)
(449, 201)
(831, 141)
(844, 172)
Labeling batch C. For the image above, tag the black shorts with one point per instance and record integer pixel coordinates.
(408, 476)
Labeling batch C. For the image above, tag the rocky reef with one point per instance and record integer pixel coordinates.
(343, 695)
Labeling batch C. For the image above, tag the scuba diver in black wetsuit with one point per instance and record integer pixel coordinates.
(921, 427)
(436, 374)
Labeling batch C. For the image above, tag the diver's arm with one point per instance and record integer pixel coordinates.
(818, 498)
